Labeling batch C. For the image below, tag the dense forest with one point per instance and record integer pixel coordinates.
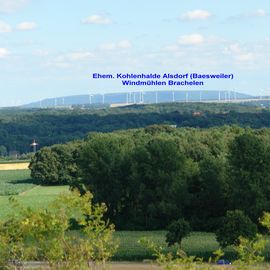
(150, 177)
(18, 127)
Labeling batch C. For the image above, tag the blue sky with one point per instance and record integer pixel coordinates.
(50, 48)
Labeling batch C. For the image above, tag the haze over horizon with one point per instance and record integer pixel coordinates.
(51, 48)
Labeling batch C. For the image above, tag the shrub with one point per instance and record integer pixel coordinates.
(43, 234)
(177, 230)
(234, 225)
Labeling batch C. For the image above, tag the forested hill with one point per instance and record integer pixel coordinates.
(50, 126)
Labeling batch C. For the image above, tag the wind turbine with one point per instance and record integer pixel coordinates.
(90, 99)
(186, 96)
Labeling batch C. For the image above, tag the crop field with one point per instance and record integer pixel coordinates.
(15, 182)
(19, 184)
(198, 243)
(16, 161)
(14, 166)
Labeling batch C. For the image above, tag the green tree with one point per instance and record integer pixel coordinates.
(158, 168)
(56, 165)
(67, 157)
(249, 174)
(208, 194)
(3, 151)
(44, 167)
(103, 171)
(234, 225)
(177, 230)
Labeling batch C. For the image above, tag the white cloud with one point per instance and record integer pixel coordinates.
(5, 27)
(4, 53)
(245, 57)
(77, 56)
(41, 52)
(70, 59)
(107, 46)
(171, 48)
(240, 54)
(60, 65)
(97, 19)
(193, 39)
(12, 5)
(123, 44)
(25, 26)
(197, 14)
(260, 13)
(235, 48)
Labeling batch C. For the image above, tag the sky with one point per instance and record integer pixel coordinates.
(51, 48)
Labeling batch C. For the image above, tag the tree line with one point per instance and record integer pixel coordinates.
(18, 128)
(150, 177)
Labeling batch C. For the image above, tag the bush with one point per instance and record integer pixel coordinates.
(177, 230)
(234, 225)
(43, 234)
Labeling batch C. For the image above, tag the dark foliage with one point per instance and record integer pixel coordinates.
(177, 230)
(49, 126)
(234, 225)
(150, 177)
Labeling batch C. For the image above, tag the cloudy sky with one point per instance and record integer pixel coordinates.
(50, 48)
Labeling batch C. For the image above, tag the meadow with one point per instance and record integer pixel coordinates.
(19, 184)
(14, 182)
(198, 243)
(15, 161)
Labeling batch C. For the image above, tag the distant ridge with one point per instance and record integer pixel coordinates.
(145, 97)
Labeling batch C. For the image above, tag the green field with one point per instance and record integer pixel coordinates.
(15, 182)
(199, 244)
(19, 184)
(14, 161)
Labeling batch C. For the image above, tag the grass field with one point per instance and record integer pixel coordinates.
(199, 244)
(20, 184)
(15, 182)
